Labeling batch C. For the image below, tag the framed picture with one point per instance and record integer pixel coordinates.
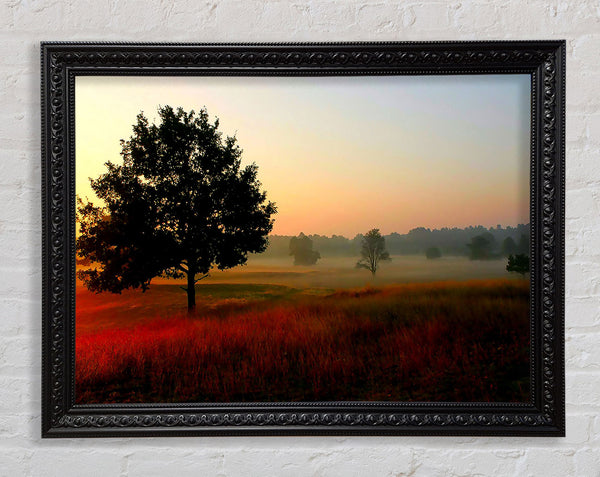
(343, 238)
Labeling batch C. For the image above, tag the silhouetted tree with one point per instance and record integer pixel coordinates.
(301, 247)
(518, 263)
(433, 252)
(509, 246)
(180, 203)
(481, 247)
(523, 247)
(372, 251)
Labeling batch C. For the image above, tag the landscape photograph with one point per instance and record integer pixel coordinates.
(249, 239)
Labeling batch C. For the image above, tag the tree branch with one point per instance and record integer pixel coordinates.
(202, 277)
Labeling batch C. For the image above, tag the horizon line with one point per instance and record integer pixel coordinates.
(497, 227)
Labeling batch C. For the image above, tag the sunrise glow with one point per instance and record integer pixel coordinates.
(340, 155)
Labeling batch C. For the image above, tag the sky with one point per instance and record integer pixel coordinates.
(343, 155)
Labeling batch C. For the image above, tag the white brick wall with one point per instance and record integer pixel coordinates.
(24, 23)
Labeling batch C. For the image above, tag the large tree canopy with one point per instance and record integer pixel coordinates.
(180, 204)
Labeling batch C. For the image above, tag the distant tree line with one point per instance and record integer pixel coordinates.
(476, 242)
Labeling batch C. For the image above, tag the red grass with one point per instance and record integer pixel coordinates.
(426, 342)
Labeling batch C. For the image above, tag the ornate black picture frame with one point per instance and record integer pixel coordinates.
(544, 415)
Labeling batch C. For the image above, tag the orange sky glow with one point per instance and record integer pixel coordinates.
(342, 155)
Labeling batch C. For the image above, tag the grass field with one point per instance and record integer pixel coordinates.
(314, 334)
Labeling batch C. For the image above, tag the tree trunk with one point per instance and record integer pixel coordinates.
(191, 291)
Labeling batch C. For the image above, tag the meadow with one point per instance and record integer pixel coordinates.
(442, 330)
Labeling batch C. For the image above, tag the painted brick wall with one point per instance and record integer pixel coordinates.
(24, 23)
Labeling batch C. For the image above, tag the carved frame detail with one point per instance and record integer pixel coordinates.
(543, 60)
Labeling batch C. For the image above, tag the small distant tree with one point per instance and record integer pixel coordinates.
(509, 247)
(523, 247)
(518, 263)
(433, 252)
(372, 251)
(301, 247)
(481, 247)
